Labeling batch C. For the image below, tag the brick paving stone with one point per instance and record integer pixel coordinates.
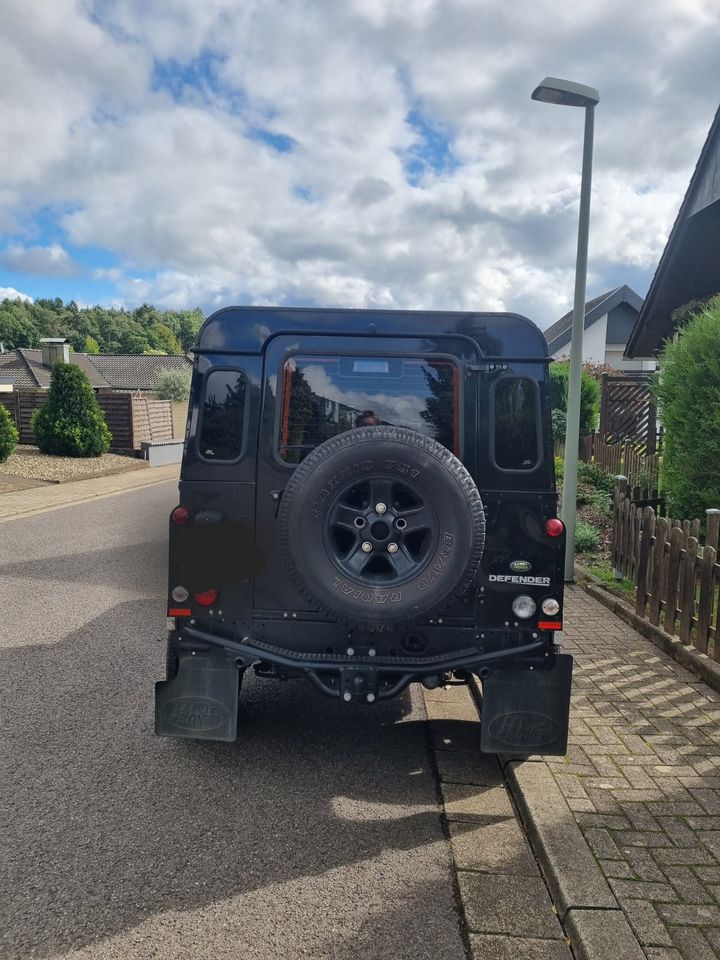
(516, 906)
(643, 780)
(649, 928)
(690, 914)
(692, 944)
(492, 947)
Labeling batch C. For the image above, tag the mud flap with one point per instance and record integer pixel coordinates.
(201, 700)
(527, 711)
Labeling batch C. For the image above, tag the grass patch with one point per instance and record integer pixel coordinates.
(603, 571)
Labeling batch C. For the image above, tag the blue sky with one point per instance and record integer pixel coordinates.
(360, 153)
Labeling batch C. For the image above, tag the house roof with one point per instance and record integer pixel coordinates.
(559, 333)
(689, 268)
(41, 374)
(131, 371)
(109, 371)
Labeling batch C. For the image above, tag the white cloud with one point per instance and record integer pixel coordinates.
(52, 261)
(140, 131)
(10, 293)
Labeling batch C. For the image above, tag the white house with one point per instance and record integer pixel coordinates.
(609, 320)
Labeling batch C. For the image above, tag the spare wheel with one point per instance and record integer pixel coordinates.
(381, 526)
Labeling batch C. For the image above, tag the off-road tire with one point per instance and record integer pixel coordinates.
(404, 459)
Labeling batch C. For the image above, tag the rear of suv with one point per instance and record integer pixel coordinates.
(367, 500)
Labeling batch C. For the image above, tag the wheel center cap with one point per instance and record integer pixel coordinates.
(380, 530)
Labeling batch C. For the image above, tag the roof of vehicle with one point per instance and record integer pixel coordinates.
(247, 329)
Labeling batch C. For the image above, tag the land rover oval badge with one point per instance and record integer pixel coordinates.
(521, 566)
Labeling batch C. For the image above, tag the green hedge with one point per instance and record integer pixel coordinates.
(8, 434)
(589, 396)
(687, 390)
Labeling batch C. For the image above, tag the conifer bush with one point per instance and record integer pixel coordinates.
(687, 389)
(71, 423)
(8, 434)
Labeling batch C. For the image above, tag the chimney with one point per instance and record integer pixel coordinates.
(54, 349)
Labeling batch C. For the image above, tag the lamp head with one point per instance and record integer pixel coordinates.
(565, 92)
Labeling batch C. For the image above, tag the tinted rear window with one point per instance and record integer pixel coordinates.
(516, 424)
(222, 426)
(324, 396)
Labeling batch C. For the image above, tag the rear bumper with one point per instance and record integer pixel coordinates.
(360, 676)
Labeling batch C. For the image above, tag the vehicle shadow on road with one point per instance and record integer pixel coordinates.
(107, 826)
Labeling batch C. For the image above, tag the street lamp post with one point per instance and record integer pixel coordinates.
(567, 93)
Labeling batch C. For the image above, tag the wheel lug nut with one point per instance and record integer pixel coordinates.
(366, 547)
(380, 508)
(392, 548)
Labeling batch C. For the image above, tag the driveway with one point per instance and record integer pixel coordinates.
(318, 834)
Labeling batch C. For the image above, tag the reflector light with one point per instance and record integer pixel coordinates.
(554, 527)
(550, 625)
(523, 607)
(550, 606)
(180, 595)
(179, 612)
(180, 515)
(206, 598)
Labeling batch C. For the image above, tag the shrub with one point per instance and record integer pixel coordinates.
(687, 389)
(595, 477)
(8, 434)
(589, 395)
(70, 423)
(173, 385)
(559, 425)
(587, 537)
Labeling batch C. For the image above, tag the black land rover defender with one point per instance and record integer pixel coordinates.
(367, 500)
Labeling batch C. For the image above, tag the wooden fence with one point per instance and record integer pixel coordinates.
(621, 458)
(131, 418)
(677, 577)
(628, 411)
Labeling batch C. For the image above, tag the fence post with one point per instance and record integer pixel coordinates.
(713, 528)
(647, 531)
(619, 495)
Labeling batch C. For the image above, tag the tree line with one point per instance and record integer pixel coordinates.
(98, 329)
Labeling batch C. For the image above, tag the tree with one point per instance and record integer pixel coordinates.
(687, 389)
(16, 326)
(162, 338)
(589, 395)
(8, 434)
(91, 345)
(71, 423)
(173, 385)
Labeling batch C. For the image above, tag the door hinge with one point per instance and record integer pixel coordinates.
(486, 367)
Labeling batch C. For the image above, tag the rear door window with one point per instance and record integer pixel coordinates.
(222, 417)
(517, 424)
(323, 396)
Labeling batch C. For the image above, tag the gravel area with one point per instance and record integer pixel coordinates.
(28, 462)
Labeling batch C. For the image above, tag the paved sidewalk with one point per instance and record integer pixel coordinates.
(25, 503)
(641, 777)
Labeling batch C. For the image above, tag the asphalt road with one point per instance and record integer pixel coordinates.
(317, 834)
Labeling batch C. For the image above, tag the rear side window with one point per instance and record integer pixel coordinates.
(222, 423)
(324, 396)
(517, 421)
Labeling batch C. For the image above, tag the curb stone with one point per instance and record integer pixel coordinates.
(572, 873)
(27, 503)
(690, 658)
(586, 906)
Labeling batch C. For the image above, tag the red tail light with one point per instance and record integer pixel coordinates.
(554, 527)
(207, 598)
(180, 516)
